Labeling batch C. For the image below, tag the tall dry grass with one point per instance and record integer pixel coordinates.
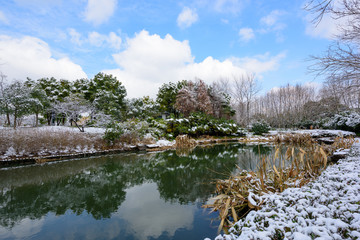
(239, 194)
(29, 142)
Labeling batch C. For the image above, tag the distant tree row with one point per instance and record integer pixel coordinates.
(61, 100)
(101, 100)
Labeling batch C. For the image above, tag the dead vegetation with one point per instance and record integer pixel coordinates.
(184, 142)
(32, 142)
(293, 138)
(294, 167)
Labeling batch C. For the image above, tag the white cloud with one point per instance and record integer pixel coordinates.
(246, 34)
(114, 40)
(99, 11)
(272, 18)
(233, 6)
(25, 228)
(96, 39)
(157, 215)
(3, 18)
(328, 27)
(272, 23)
(31, 57)
(75, 36)
(260, 63)
(149, 61)
(187, 17)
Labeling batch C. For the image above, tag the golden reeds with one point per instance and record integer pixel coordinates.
(184, 141)
(238, 195)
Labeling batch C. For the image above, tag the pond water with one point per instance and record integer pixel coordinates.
(125, 196)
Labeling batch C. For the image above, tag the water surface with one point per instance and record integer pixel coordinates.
(125, 196)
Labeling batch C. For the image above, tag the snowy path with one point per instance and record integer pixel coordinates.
(327, 208)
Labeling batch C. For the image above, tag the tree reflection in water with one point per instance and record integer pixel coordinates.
(98, 186)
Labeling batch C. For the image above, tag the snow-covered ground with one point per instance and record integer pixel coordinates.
(327, 208)
(29, 142)
(315, 132)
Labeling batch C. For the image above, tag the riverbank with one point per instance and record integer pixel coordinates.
(44, 144)
(326, 208)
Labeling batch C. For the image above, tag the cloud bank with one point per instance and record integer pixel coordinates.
(31, 57)
(148, 61)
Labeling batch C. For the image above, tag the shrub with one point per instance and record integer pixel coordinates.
(307, 124)
(131, 131)
(260, 128)
(349, 121)
(198, 124)
(113, 132)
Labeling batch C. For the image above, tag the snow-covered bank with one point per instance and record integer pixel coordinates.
(327, 208)
(316, 133)
(48, 143)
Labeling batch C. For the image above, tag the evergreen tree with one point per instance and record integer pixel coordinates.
(166, 97)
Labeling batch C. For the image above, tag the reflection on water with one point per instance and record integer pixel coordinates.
(125, 196)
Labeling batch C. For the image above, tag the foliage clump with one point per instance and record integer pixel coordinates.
(131, 131)
(349, 121)
(259, 128)
(198, 124)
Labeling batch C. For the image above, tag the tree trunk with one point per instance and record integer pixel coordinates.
(36, 119)
(15, 119)
(8, 118)
(80, 128)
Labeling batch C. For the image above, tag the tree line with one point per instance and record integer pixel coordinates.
(102, 99)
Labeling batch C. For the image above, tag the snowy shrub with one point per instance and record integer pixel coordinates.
(308, 124)
(198, 124)
(131, 131)
(258, 128)
(349, 121)
(113, 132)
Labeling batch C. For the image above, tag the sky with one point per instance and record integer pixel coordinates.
(146, 43)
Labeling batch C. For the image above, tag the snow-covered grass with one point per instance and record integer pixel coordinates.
(326, 208)
(60, 140)
(44, 141)
(315, 132)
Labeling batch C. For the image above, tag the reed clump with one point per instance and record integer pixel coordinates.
(247, 191)
(184, 141)
(293, 138)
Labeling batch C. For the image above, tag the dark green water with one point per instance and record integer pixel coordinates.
(125, 196)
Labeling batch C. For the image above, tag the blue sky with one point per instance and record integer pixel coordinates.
(147, 43)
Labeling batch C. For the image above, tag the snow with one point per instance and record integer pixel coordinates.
(327, 208)
(161, 143)
(93, 130)
(316, 132)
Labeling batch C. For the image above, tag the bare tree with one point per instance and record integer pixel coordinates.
(245, 89)
(4, 101)
(186, 99)
(284, 106)
(341, 62)
(203, 98)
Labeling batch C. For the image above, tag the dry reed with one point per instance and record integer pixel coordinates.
(238, 195)
(184, 141)
(32, 142)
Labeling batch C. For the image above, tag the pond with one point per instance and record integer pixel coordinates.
(124, 196)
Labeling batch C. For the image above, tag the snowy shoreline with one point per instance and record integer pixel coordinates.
(326, 208)
(78, 145)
